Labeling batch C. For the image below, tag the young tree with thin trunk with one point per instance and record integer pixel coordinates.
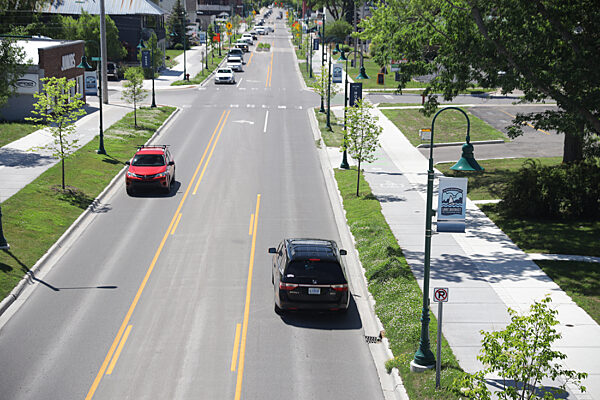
(134, 91)
(362, 135)
(57, 108)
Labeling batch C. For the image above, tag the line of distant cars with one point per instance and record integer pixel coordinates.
(235, 57)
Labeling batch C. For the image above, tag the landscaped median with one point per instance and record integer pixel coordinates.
(35, 217)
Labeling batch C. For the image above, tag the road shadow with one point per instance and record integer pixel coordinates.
(153, 192)
(326, 320)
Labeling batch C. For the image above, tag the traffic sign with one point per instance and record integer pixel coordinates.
(440, 295)
(228, 26)
(146, 59)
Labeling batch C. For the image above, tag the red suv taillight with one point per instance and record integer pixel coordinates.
(340, 288)
(287, 286)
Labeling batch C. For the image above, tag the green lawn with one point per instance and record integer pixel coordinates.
(335, 137)
(544, 236)
(580, 280)
(35, 217)
(11, 131)
(397, 295)
(450, 126)
(488, 184)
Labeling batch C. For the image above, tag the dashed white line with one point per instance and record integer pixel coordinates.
(281, 107)
(266, 120)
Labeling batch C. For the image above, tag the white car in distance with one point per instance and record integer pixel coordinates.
(235, 63)
(246, 37)
(224, 75)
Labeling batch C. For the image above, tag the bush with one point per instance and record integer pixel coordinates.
(554, 192)
(178, 46)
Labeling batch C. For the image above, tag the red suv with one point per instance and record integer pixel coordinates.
(152, 166)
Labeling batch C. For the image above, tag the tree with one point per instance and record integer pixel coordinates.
(547, 49)
(362, 135)
(12, 67)
(176, 24)
(87, 27)
(337, 31)
(57, 109)
(320, 85)
(522, 356)
(134, 91)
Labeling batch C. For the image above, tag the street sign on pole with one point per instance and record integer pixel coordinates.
(452, 204)
(355, 93)
(440, 296)
(316, 44)
(337, 73)
(146, 59)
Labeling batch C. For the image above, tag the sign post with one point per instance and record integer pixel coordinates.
(440, 296)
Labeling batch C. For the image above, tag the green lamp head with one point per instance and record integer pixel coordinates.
(362, 74)
(84, 64)
(467, 161)
(141, 44)
(342, 56)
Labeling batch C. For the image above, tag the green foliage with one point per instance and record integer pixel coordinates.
(522, 356)
(176, 24)
(362, 134)
(558, 192)
(537, 47)
(57, 110)
(337, 31)
(12, 60)
(134, 91)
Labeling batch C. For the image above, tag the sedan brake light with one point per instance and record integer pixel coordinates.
(340, 288)
(287, 286)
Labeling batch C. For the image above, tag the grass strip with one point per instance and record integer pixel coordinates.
(489, 183)
(396, 292)
(36, 216)
(333, 137)
(11, 131)
(449, 126)
(580, 280)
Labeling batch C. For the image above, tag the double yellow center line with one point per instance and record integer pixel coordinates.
(119, 341)
(269, 72)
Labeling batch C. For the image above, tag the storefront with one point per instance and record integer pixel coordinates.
(46, 58)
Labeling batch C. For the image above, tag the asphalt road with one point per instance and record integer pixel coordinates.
(169, 296)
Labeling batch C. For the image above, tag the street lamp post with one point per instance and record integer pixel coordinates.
(3, 244)
(322, 109)
(184, 46)
(329, 91)
(83, 64)
(424, 358)
(140, 46)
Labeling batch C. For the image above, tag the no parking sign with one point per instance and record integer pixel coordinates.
(440, 295)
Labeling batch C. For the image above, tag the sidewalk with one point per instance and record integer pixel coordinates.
(484, 270)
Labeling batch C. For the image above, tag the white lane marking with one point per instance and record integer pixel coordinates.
(387, 96)
(250, 105)
(243, 121)
(266, 120)
(264, 106)
(234, 106)
(238, 85)
(243, 88)
(281, 107)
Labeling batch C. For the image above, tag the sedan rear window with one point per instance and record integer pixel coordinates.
(148, 160)
(315, 269)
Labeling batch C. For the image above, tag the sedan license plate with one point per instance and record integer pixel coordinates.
(314, 290)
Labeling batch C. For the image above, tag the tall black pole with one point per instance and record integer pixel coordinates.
(322, 57)
(344, 163)
(329, 90)
(153, 93)
(184, 46)
(101, 149)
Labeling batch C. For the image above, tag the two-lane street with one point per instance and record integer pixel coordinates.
(170, 296)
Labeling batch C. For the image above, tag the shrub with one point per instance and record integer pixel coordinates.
(554, 192)
(178, 46)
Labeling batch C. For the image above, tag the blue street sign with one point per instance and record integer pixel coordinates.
(146, 59)
(355, 93)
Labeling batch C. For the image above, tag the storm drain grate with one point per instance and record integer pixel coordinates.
(372, 339)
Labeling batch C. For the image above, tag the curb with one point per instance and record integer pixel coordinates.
(63, 240)
(495, 141)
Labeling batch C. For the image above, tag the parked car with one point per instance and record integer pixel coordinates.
(308, 274)
(112, 71)
(224, 75)
(152, 166)
(235, 63)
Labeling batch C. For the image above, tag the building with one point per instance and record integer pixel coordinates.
(46, 58)
(135, 19)
(207, 10)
